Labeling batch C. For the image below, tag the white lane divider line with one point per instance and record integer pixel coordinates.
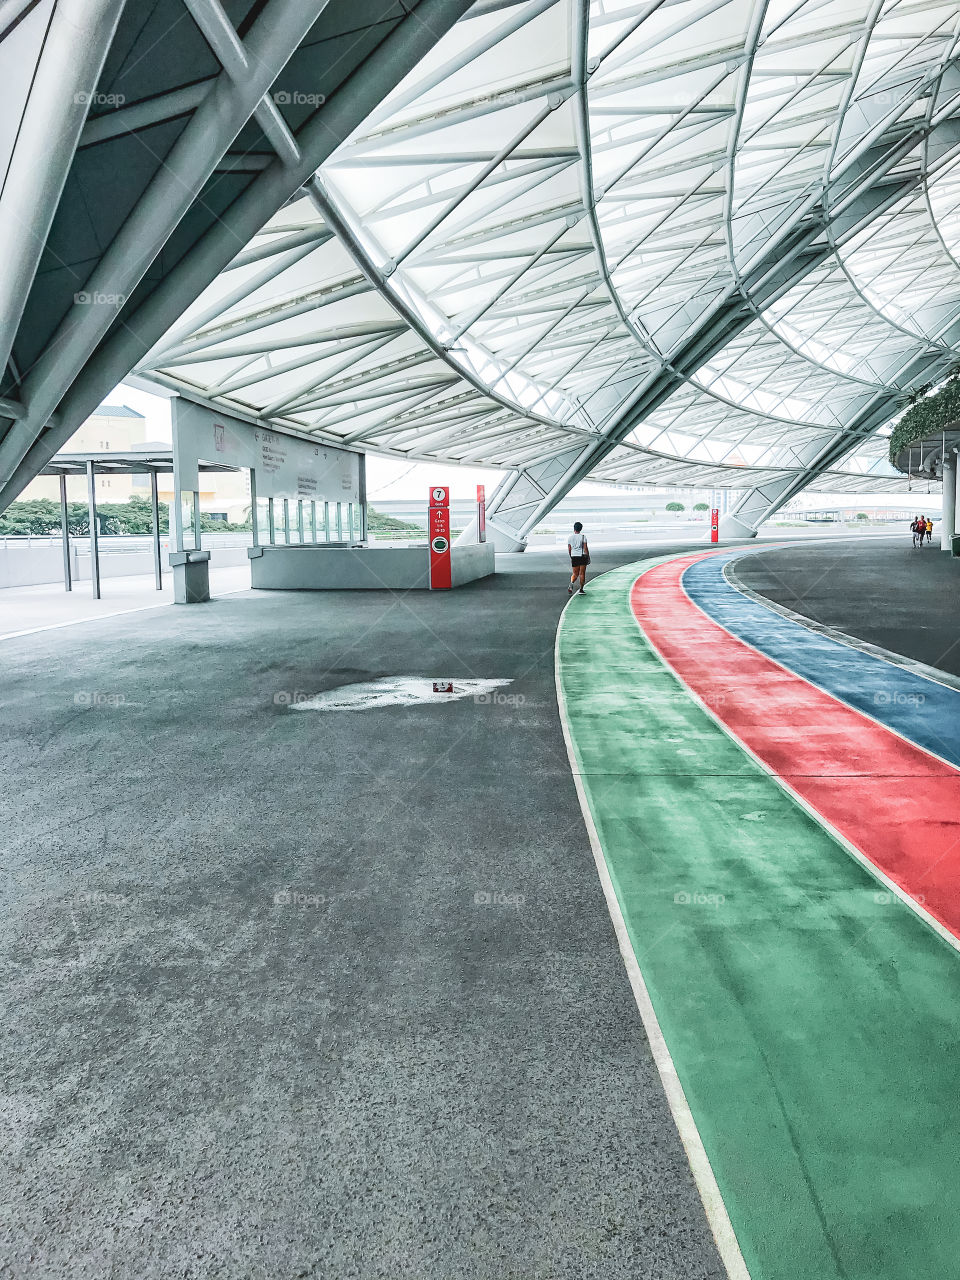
(716, 1210)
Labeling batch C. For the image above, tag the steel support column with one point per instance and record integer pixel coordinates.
(254, 514)
(948, 522)
(74, 47)
(274, 37)
(155, 509)
(94, 531)
(65, 534)
(951, 491)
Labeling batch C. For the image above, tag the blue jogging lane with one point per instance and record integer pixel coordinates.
(921, 710)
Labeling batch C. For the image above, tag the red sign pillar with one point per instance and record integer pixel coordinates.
(438, 533)
(715, 525)
(481, 513)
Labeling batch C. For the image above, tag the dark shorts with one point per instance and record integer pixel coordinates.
(578, 561)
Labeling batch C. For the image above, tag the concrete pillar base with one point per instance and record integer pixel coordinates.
(503, 539)
(951, 480)
(951, 487)
(326, 568)
(732, 527)
(191, 576)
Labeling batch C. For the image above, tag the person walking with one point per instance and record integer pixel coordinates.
(579, 554)
(929, 530)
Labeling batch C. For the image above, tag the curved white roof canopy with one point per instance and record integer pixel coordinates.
(708, 242)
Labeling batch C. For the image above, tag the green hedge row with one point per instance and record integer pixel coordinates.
(928, 415)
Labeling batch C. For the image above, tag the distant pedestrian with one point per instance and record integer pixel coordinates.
(929, 530)
(579, 554)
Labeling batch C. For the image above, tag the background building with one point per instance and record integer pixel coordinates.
(116, 428)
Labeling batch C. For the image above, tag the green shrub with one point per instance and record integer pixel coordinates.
(928, 415)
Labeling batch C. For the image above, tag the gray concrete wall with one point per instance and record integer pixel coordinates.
(320, 568)
(116, 564)
(29, 564)
(26, 565)
(476, 560)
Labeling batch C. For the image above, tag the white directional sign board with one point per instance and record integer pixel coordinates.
(285, 466)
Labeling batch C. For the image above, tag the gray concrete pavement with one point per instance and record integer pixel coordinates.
(888, 593)
(259, 1023)
(26, 609)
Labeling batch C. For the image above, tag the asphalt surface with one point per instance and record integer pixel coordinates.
(317, 994)
(886, 592)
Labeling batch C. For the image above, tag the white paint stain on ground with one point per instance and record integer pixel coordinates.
(394, 691)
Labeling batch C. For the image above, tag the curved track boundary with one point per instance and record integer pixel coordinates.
(716, 1211)
(811, 1019)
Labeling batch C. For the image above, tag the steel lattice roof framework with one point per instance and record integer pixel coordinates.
(706, 242)
(143, 143)
(711, 242)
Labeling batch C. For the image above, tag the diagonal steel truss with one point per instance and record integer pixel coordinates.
(697, 242)
(140, 148)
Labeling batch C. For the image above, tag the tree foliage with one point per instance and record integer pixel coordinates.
(675, 506)
(41, 516)
(377, 522)
(927, 416)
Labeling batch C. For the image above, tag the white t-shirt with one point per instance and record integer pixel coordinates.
(576, 543)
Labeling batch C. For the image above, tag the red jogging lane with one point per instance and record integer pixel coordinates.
(891, 800)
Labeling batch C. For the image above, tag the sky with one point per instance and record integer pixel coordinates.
(398, 479)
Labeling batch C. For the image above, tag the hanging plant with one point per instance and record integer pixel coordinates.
(928, 415)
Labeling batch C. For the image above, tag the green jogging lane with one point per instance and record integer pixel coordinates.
(812, 1018)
